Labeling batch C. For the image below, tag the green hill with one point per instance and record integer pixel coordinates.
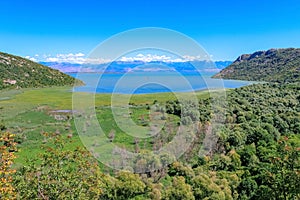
(18, 72)
(274, 65)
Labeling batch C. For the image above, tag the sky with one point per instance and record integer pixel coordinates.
(73, 28)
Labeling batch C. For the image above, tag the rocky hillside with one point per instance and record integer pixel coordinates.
(274, 65)
(18, 72)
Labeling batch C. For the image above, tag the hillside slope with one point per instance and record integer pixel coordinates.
(18, 72)
(274, 65)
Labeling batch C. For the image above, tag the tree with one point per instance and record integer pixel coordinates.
(207, 185)
(179, 190)
(128, 185)
(60, 174)
(247, 188)
(7, 149)
(282, 174)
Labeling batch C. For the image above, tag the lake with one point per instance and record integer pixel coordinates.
(151, 82)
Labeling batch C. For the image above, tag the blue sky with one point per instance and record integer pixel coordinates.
(225, 29)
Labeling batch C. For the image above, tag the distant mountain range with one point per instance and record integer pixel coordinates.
(18, 72)
(274, 65)
(121, 66)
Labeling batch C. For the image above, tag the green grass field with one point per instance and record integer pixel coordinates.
(27, 113)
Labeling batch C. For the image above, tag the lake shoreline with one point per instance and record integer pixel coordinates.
(152, 83)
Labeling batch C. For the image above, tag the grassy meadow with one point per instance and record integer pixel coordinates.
(29, 114)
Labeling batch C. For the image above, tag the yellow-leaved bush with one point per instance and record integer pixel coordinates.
(7, 149)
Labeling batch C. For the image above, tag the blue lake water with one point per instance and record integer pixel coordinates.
(151, 82)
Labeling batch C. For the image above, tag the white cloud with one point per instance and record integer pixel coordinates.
(80, 58)
(147, 58)
(69, 58)
(31, 58)
(52, 59)
(163, 58)
(79, 54)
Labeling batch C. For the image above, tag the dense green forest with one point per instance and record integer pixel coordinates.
(17, 72)
(274, 65)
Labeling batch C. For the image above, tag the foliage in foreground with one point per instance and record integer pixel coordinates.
(7, 149)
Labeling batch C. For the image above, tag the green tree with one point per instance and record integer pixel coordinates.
(179, 190)
(128, 185)
(60, 174)
(282, 174)
(210, 187)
